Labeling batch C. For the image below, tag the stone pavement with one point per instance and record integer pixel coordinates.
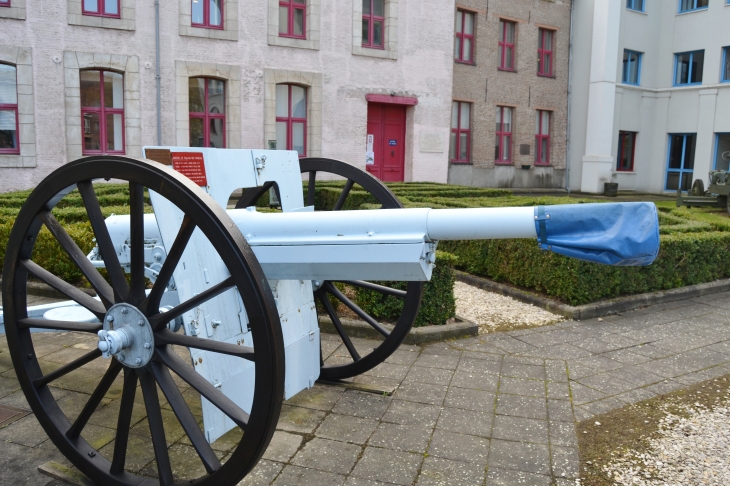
(497, 409)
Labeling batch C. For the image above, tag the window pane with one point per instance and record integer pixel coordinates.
(457, 48)
(455, 114)
(468, 23)
(113, 90)
(298, 21)
(282, 103)
(465, 112)
(544, 150)
(283, 20)
(379, 8)
(689, 152)
(502, 24)
(467, 50)
(298, 102)
(300, 2)
(496, 147)
(499, 119)
(676, 144)
(722, 160)
(297, 138)
(548, 41)
(537, 123)
(687, 4)
(197, 19)
(217, 133)
(366, 7)
(507, 123)
(459, 16)
(196, 96)
(8, 132)
(114, 127)
(698, 63)
(91, 5)
(111, 7)
(92, 133)
(506, 147)
(365, 31)
(510, 32)
(377, 32)
(682, 75)
(463, 145)
(452, 146)
(216, 96)
(281, 136)
(508, 57)
(686, 181)
(215, 12)
(726, 65)
(702, 3)
(546, 123)
(8, 90)
(501, 57)
(90, 90)
(672, 181)
(196, 133)
(546, 67)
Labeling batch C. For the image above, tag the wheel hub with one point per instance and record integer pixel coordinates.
(127, 335)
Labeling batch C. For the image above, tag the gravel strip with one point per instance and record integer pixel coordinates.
(495, 312)
(688, 451)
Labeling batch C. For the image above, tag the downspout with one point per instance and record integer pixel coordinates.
(157, 71)
(570, 95)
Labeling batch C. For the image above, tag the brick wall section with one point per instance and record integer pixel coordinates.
(487, 87)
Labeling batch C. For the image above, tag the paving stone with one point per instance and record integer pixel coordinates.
(558, 391)
(626, 356)
(459, 447)
(327, 455)
(361, 404)
(319, 397)
(518, 370)
(410, 413)
(509, 477)
(513, 345)
(520, 429)
(480, 366)
(634, 396)
(470, 399)
(436, 471)
(560, 351)
(581, 413)
(605, 384)
(480, 355)
(404, 355)
(441, 349)
(422, 393)
(298, 419)
(521, 406)
(262, 474)
(283, 446)
(433, 376)
(556, 371)
(26, 432)
(565, 461)
(466, 422)
(437, 361)
(386, 465)
(20, 464)
(562, 434)
(603, 406)
(353, 481)
(533, 458)
(474, 380)
(522, 386)
(389, 370)
(296, 476)
(347, 428)
(524, 360)
(560, 410)
(409, 438)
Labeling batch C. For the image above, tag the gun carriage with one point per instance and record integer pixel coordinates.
(717, 194)
(225, 301)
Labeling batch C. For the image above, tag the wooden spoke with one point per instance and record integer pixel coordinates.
(136, 239)
(68, 368)
(157, 429)
(344, 194)
(165, 336)
(124, 421)
(103, 289)
(338, 325)
(81, 298)
(357, 310)
(185, 417)
(152, 304)
(104, 241)
(211, 393)
(106, 382)
(311, 188)
(377, 288)
(160, 319)
(30, 323)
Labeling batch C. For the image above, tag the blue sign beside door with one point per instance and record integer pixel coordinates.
(392, 143)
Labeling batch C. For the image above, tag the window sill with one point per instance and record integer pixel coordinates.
(543, 166)
(100, 21)
(295, 42)
(642, 12)
(211, 27)
(685, 85)
(624, 83)
(506, 70)
(460, 162)
(379, 53)
(91, 14)
(504, 163)
(694, 10)
(12, 12)
(465, 63)
(219, 34)
(549, 76)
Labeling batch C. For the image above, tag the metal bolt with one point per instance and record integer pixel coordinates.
(92, 454)
(138, 361)
(124, 310)
(140, 323)
(158, 257)
(147, 345)
(30, 356)
(110, 318)
(120, 357)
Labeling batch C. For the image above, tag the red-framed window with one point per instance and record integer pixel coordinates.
(464, 42)
(99, 8)
(626, 150)
(293, 18)
(542, 138)
(373, 24)
(207, 13)
(102, 112)
(503, 136)
(459, 147)
(9, 129)
(507, 31)
(207, 107)
(4, 3)
(291, 118)
(545, 52)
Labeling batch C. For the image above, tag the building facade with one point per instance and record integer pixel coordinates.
(79, 77)
(650, 104)
(510, 94)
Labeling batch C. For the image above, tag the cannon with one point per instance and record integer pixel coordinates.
(225, 301)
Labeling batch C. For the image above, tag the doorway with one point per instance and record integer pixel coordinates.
(387, 129)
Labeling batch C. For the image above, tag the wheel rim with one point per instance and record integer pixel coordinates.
(698, 188)
(67, 432)
(411, 296)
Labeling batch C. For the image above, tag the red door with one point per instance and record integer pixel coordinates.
(387, 125)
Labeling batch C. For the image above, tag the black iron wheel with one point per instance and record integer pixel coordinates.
(69, 432)
(359, 362)
(698, 188)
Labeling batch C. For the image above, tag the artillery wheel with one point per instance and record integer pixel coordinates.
(74, 431)
(357, 363)
(698, 188)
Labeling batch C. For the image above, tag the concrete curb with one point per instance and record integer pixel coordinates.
(417, 335)
(602, 308)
